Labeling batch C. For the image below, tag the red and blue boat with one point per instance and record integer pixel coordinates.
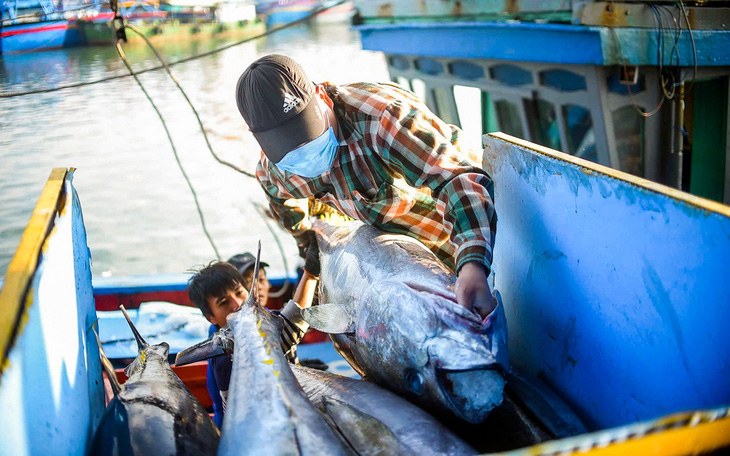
(33, 26)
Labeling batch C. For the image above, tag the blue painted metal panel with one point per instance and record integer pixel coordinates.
(549, 43)
(156, 282)
(616, 295)
(51, 396)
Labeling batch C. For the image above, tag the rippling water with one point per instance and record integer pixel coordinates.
(139, 213)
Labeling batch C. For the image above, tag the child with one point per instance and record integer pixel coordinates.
(217, 290)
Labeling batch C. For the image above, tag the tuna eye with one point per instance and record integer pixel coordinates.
(415, 381)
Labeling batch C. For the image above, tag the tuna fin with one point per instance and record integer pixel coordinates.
(329, 318)
(206, 349)
(107, 365)
(364, 433)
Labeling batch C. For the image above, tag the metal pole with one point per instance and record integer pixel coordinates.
(679, 126)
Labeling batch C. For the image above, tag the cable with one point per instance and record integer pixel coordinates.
(186, 59)
(172, 144)
(284, 287)
(692, 39)
(190, 103)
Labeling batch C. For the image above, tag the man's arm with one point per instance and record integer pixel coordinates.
(426, 151)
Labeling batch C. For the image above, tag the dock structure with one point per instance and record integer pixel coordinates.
(638, 87)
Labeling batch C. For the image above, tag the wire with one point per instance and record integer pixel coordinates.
(190, 103)
(692, 39)
(186, 59)
(172, 144)
(284, 288)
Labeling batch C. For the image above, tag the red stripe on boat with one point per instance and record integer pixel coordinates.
(35, 30)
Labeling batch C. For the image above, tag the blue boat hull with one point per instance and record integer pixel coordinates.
(284, 12)
(38, 36)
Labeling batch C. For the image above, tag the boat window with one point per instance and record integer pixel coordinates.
(403, 82)
(581, 137)
(628, 128)
(468, 106)
(622, 88)
(419, 88)
(398, 61)
(429, 66)
(443, 100)
(508, 117)
(547, 130)
(510, 75)
(466, 70)
(567, 81)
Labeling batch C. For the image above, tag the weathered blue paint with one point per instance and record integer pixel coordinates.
(616, 295)
(157, 282)
(51, 396)
(549, 43)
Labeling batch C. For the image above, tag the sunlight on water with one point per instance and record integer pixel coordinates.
(139, 213)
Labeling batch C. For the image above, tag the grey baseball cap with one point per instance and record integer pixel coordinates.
(279, 103)
(243, 261)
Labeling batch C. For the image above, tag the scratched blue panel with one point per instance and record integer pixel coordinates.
(550, 43)
(616, 295)
(490, 40)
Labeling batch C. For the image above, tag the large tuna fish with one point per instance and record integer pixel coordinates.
(392, 313)
(413, 428)
(153, 412)
(267, 411)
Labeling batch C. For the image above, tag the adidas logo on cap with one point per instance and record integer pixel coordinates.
(290, 101)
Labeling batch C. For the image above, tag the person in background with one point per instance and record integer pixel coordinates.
(218, 290)
(245, 262)
(376, 153)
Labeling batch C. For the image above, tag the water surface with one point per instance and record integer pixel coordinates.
(139, 213)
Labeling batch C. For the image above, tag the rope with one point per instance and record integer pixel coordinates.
(190, 103)
(186, 59)
(169, 137)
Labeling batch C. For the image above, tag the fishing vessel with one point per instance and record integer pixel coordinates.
(174, 20)
(278, 12)
(34, 25)
(640, 87)
(613, 287)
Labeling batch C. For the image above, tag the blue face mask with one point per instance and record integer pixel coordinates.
(313, 158)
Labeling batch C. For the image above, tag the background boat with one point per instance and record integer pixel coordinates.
(175, 20)
(277, 12)
(30, 25)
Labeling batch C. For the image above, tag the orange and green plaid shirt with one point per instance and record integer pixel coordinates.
(399, 168)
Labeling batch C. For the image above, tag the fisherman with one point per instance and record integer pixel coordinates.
(374, 152)
(218, 290)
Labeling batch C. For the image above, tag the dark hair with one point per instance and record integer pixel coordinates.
(213, 280)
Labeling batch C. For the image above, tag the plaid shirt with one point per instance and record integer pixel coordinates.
(399, 168)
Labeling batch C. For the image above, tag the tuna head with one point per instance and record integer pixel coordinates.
(147, 354)
(422, 344)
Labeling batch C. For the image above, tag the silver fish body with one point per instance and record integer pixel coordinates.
(154, 413)
(267, 412)
(391, 310)
(417, 430)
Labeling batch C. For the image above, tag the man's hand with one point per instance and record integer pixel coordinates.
(472, 289)
(309, 250)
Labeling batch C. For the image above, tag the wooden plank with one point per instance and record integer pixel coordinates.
(23, 265)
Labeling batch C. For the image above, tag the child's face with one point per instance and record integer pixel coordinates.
(229, 302)
(264, 285)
